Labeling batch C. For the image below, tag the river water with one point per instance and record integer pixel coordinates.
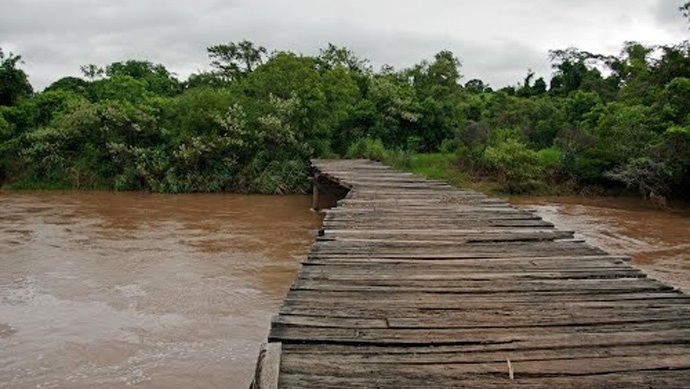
(112, 290)
(658, 240)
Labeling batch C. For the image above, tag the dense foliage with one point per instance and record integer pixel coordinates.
(251, 124)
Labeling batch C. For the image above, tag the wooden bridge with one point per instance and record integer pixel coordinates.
(415, 284)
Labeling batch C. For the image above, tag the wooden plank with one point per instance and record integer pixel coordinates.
(440, 300)
(495, 319)
(267, 371)
(469, 264)
(413, 283)
(483, 338)
(448, 370)
(456, 354)
(490, 312)
(634, 380)
(379, 275)
(475, 235)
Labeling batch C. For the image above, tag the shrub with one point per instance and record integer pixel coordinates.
(450, 146)
(518, 168)
(400, 159)
(367, 148)
(647, 176)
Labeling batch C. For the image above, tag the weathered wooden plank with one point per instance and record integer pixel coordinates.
(451, 251)
(556, 260)
(413, 283)
(475, 320)
(648, 343)
(470, 287)
(381, 309)
(634, 380)
(434, 232)
(440, 300)
(329, 321)
(492, 264)
(268, 367)
(540, 368)
(379, 274)
(516, 337)
(475, 235)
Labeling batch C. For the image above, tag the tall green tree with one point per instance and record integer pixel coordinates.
(235, 60)
(14, 83)
(156, 77)
(333, 56)
(437, 87)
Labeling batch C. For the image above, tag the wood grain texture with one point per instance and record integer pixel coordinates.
(413, 283)
(268, 366)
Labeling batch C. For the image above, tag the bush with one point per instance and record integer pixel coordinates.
(647, 176)
(518, 168)
(367, 148)
(450, 146)
(551, 161)
(400, 159)
(278, 177)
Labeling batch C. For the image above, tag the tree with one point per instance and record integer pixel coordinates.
(539, 87)
(576, 69)
(394, 109)
(445, 70)
(674, 62)
(333, 56)
(205, 79)
(476, 85)
(14, 83)
(528, 90)
(91, 71)
(649, 177)
(685, 9)
(438, 91)
(157, 78)
(72, 84)
(235, 60)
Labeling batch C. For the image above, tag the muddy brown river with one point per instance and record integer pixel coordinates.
(658, 240)
(115, 290)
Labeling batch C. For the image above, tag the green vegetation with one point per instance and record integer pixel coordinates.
(438, 166)
(251, 124)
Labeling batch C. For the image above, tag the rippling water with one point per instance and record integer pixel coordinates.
(657, 239)
(109, 290)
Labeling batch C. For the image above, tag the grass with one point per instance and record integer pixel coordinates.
(444, 167)
(436, 166)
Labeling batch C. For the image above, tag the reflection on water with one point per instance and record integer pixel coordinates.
(158, 291)
(657, 239)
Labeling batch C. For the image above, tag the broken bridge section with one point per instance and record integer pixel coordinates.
(413, 283)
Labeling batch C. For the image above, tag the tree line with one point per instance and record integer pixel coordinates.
(252, 123)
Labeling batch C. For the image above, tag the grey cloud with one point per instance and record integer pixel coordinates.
(668, 16)
(496, 40)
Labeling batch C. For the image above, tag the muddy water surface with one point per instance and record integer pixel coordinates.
(112, 290)
(657, 239)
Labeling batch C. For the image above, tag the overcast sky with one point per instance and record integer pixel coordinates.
(496, 40)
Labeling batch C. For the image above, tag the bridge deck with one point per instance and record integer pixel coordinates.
(417, 284)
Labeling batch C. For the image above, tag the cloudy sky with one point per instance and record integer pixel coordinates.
(497, 40)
